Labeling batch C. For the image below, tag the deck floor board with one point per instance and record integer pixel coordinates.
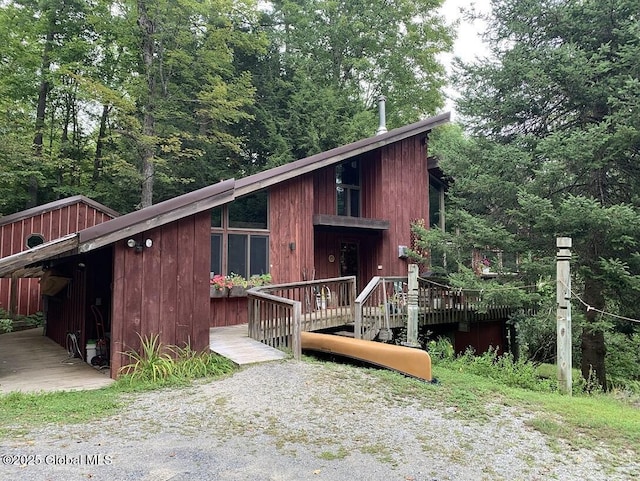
(233, 342)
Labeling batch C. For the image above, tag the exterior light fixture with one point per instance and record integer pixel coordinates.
(139, 246)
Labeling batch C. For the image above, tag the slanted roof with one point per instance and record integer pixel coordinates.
(156, 215)
(279, 174)
(217, 194)
(58, 204)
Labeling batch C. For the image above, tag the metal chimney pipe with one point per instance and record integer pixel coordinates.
(382, 128)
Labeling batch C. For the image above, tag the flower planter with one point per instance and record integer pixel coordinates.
(216, 293)
(238, 291)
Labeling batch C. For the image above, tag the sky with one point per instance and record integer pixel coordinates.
(468, 44)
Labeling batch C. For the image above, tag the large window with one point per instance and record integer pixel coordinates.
(348, 188)
(240, 237)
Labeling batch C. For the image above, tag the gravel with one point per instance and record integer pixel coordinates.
(304, 421)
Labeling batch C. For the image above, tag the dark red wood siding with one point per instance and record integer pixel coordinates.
(164, 289)
(402, 196)
(291, 208)
(228, 311)
(481, 336)
(394, 187)
(51, 225)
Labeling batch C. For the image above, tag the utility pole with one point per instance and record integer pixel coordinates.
(563, 318)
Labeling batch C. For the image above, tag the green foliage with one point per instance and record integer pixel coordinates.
(6, 325)
(623, 360)
(158, 364)
(550, 149)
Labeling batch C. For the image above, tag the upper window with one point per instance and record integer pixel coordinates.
(436, 204)
(348, 188)
(35, 240)
(249, 212)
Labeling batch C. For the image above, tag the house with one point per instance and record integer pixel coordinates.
(26, 229)
(346, 211)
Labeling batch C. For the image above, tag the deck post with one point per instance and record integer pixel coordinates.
(412, 307)
(296, 344)
(563, 319)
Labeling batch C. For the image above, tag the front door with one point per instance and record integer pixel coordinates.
(349, 259)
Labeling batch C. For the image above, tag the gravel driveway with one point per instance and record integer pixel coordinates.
(302, 421)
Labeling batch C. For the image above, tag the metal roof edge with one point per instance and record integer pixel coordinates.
(56, 204)
(156, 215)
(67, 243)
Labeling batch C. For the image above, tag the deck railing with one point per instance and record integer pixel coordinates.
(278, 312)
(440, 304)
(381, 305)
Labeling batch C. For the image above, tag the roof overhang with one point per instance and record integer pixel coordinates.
(25, 263)
(355, 223)
(155, 216)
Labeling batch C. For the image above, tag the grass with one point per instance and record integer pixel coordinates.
(580, 420)
(592, 421)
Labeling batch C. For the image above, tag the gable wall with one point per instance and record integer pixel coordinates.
(52, 225)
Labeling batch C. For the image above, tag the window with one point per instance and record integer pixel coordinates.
(249, 212)
(239, 237)
(348, 188)
(35, 240)
(436, 204)
(216, 253)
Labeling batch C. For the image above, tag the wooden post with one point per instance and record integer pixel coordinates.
(13, 297)
(563, 318)
(412, 307)
(296, 344)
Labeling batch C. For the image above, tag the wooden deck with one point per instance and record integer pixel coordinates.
(234, 343)
(31, 362)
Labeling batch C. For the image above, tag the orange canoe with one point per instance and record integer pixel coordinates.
(406, 360)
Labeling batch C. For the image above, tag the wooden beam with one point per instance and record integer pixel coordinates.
(350, 222)
(15, 262)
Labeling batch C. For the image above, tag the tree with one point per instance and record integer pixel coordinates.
(555, 115)
(328, 62)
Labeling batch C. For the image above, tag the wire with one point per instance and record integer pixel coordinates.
(591, 308)
(460, 289)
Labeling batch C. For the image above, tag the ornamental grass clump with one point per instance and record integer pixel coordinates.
(161, 364)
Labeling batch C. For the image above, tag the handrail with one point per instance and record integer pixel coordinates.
(279, 312)
(372, 304)
(291, 311)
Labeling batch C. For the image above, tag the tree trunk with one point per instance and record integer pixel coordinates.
(41, 111)
(102, 133)
(147, 28)
(592, 345)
